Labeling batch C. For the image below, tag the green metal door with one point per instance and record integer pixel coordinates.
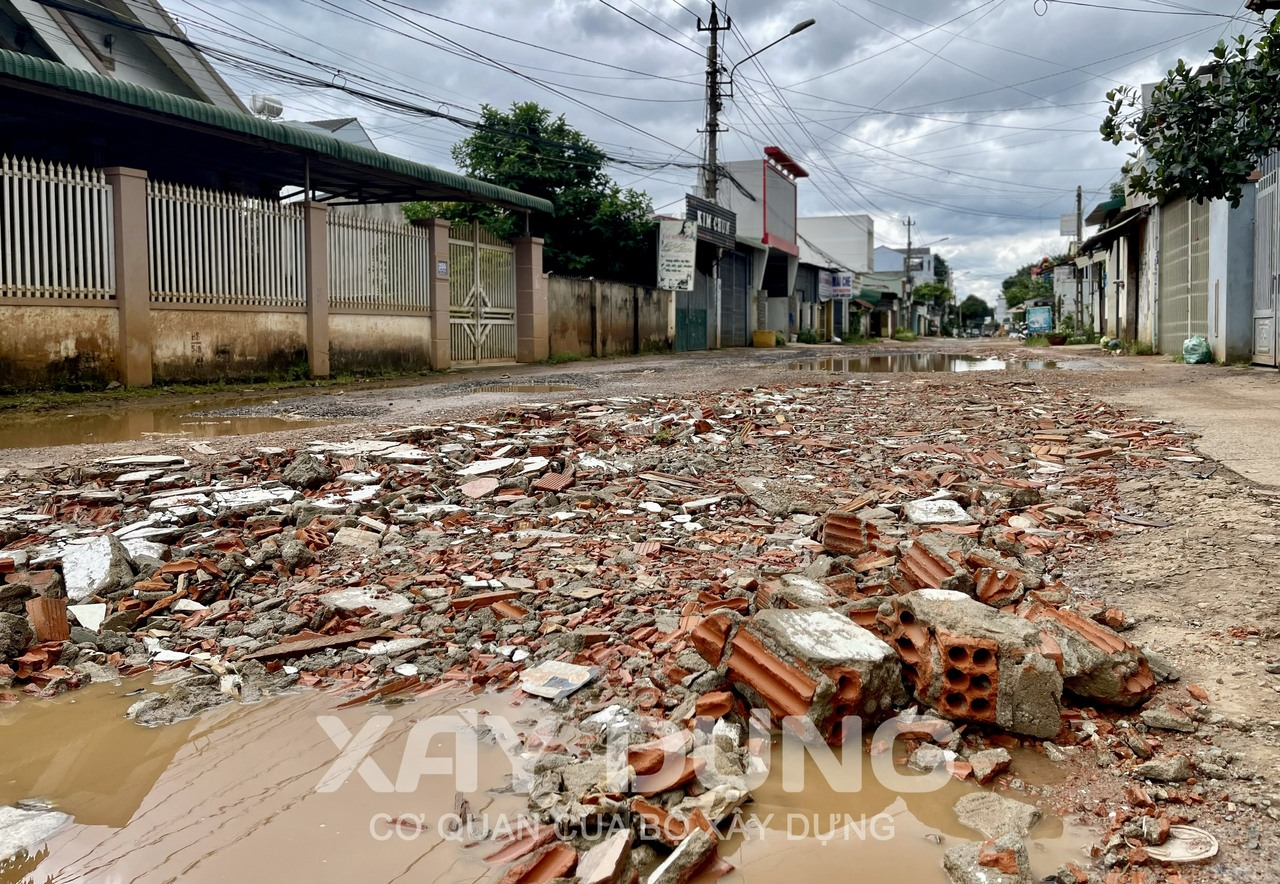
(691, 315)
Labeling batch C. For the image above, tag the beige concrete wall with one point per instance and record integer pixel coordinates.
(59, 345)
(569, 307)
(209, 344)
(374, 343)
(598, 318)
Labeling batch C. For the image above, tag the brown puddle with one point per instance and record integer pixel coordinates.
(232, 796)
(130, 423)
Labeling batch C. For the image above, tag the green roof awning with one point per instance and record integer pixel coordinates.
(871, 296)
(133, 124)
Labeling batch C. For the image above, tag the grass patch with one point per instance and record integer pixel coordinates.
(561, 358)
(904, 336)
(1036, 341)
(807, 336)
(1137, 348)
(857, 339)
(780, 340)
(1178, 358)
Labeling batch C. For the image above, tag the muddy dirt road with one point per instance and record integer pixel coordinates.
(634, 521)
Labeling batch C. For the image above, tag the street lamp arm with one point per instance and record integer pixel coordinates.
(807, 23)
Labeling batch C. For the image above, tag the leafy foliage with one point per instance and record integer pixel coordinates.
(1203, 130)
(940, 269)
(1022, 286)
(934, 292)
(598, 229)
(974, 309)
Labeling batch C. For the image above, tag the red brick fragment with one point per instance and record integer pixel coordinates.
(1003, 861)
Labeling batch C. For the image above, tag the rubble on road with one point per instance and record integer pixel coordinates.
(972, 663)
(813, 550)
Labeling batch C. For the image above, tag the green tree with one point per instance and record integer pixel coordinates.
(598, 229)
(933, 292)
(1203, 130)
(975, 310)
(1022, 286)
(940, 269)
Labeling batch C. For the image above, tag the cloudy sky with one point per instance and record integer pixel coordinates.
(975, 118)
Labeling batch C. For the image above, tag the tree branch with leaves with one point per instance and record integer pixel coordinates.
(1203, 130)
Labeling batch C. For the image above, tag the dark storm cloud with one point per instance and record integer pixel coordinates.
(978, 118)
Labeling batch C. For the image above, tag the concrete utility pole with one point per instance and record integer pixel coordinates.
(911, 285)
(1079, 274)
(711, 170)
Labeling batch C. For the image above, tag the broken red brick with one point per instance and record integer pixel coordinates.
(716, 704)
(1003, 861)
(846, 534)
(551, 862)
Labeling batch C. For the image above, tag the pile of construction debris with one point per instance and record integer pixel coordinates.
(819, 552)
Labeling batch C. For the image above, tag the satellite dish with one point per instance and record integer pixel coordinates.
(266, 106)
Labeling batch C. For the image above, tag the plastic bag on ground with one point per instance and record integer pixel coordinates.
(1195, 351)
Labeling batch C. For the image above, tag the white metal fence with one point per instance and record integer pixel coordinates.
(56, 237)
(216, 248)
(378, 265)
(482, 296)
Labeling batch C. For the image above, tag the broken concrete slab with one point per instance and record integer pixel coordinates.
(810, 663)
(1167, 718)
(996, 816)
(366, 541)
(89, 616)
(376, 598)
(555, 680)
(307, 471)
(970, 662)
(98, 566)
(988, 763)
(1171, 769)
(938, 511)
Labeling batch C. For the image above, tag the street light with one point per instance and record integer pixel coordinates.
(800, 26)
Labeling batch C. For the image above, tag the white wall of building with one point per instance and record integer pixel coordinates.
(849, 239)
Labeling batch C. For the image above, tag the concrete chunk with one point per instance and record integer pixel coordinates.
(996, 816)
(970, 662)
(99, 566)
(935, 512)
(367, 541)
(811, 663)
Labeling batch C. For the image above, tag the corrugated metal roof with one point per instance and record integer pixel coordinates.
(36, 70)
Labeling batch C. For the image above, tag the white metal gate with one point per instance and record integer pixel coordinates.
(1184, 273)
(482, 296)
(1266, 264)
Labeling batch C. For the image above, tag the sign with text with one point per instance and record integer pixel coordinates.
(824, 285)
(1039, 319)
(842, 286)
(1067, 225)
(716, 224)
(677, 248)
